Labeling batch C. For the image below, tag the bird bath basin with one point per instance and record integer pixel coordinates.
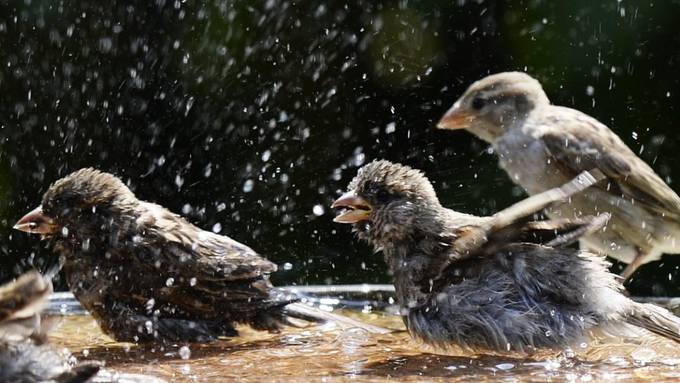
(328, 354)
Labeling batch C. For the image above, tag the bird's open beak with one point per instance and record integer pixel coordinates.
(36, 222)
(355, 208)
(456, 118)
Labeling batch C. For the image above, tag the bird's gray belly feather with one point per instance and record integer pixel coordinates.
(527, 163)
(507, 307)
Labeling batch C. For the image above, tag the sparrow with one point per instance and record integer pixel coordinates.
(24, 354)
(502, 283)
(148, 275)
(541, 146)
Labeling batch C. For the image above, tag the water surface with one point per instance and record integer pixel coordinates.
(325, 353)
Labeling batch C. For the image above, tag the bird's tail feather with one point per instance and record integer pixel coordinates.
(312, 314)
(655, 319)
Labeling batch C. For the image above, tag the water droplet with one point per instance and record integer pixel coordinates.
(217, 228)
(184, 352)
(170, 281)
(189, 105)
(505, 366)
(318, 210)
(248, 186)
(179, 181)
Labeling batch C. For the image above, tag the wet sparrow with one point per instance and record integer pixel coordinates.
(499, 283)
(541, 146)
(146, 274)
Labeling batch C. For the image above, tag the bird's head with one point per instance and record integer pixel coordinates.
(79, 200)
(21, 302)
(386, 201)
(493, 104)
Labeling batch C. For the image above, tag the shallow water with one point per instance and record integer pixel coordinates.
(325, 353)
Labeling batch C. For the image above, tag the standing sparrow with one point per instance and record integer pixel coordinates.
(24, 355)
(541, 146)
(499, 283)
(146, 274)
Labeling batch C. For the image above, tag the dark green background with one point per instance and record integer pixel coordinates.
(187, 101)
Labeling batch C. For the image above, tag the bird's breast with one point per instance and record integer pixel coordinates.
(525, 159)
(412, 276)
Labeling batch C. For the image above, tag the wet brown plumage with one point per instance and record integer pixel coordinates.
(147, 274)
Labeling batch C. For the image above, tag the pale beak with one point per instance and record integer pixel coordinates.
(456, 118)
(36, 222)
(356, 209)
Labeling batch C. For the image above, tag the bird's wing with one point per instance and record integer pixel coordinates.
(536, 263)
(583, 143)
(474, 241)
(201, 254)
(553, 232)
(468, 238)
(513, 224)
(527, 208)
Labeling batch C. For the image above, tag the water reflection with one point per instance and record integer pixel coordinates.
(324, 353)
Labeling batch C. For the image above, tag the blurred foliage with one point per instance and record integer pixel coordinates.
(255, 115)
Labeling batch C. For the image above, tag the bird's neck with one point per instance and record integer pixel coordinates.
(414, 261)
(414, 270)
(394, 226)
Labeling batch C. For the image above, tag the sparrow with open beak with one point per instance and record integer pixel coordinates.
(146, 274)
(541, 146)
(24, 357)
(499, 283)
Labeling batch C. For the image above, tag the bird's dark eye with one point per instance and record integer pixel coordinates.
(383, 196)
(478, 103)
